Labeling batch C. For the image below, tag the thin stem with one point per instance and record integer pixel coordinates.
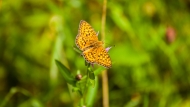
(58, 52)
(103, 20)
(0, 4)
(87, 73)
(81, 102)
(84, 91)
(104, 73)
(105, 89)
(12, 92)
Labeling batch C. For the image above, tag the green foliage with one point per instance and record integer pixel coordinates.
(85, 85)
(150, 58)
(66, 73)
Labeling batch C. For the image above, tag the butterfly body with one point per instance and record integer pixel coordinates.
(92, 49)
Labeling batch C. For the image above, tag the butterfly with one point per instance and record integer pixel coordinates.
(92, 49)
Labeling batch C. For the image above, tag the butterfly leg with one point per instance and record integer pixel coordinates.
(97, 33)
(92, 64)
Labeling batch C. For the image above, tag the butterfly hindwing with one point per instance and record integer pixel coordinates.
(97, 55)
(103, 57)
(90, 55)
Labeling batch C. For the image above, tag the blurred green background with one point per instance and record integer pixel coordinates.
(151, 63)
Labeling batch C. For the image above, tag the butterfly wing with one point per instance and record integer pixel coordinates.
(103, 57)
(90, 55)
(97, 55)
(86, 36)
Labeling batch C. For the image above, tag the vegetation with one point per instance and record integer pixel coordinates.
(150, 58)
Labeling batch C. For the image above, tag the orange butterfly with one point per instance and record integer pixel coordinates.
(92, 49)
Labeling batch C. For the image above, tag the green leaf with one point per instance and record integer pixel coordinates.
(91, 74)
(66, 73)
(31, 103)
(92, 93)
(99, 70)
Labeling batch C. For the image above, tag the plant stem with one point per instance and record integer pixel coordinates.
(12, 92)
(104, 73)
(1, 4)
(58, 52)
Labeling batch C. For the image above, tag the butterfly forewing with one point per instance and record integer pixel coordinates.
(86, 36)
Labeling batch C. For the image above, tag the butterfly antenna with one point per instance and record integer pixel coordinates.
(109, 44)
(77, 50)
